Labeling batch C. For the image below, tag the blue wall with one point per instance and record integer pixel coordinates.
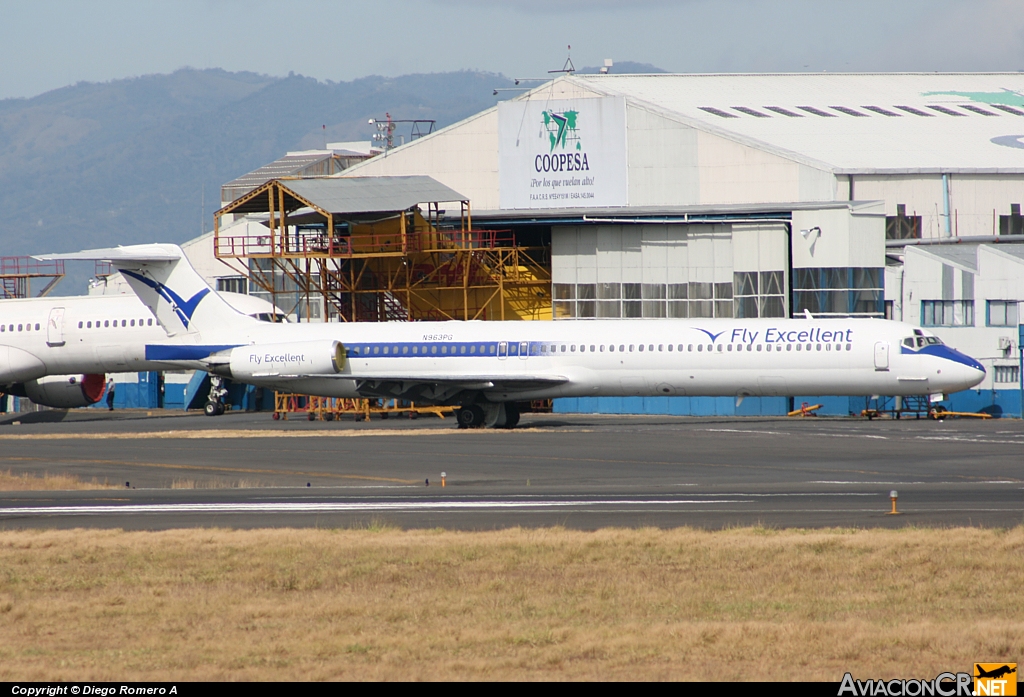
(1006, 403)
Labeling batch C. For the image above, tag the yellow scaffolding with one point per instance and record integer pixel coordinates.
(384, 265)
(333, 408)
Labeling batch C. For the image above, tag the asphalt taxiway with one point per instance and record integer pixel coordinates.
(245, 470)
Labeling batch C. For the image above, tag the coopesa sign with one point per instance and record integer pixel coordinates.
(562, 153)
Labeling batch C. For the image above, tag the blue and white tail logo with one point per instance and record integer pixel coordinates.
(184, 309)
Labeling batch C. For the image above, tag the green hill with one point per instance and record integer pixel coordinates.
(134, 160)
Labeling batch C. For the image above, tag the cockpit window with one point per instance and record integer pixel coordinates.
(932, 340)
(909, 342)
(270, 317)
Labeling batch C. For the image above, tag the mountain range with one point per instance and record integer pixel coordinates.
(142, 159)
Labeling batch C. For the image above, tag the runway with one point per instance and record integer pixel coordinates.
(244, 470)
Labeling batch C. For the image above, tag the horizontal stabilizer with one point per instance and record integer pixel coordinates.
(135, 252)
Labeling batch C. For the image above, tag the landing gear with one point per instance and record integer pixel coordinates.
(214, 406)
(471, 416)
(511, 415)
(489, 415)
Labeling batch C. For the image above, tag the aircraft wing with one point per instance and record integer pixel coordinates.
(438, 388)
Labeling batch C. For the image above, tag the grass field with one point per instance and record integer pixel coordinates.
(47, 482)
(380, 603)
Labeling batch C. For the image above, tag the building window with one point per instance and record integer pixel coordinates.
(1003, 313)
(947, 313)
(233, 284)
(1012, 224)
(1006, 373)
(840, 292)
(759, 294)
(902, 226)
(890, 312)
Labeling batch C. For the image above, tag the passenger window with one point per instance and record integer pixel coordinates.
(819, 347)
(37, 326)
(759, 347)
(433, 349)
(670, 347)
(611, 348)
(798, 346)
(3, 327)
(719, 348)
(602, 348)
(149, 322)
(631, 348)
(688, 348)
(730, 347)
(789, 347)
(700, 347)
(849, 346)
(124, 323)
(828, 347)
(641, 347)
(591, 348)
(661, 347)
(462, 349)
(19, 327)
(622, 347)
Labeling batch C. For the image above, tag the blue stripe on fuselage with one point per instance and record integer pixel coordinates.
(156, 352)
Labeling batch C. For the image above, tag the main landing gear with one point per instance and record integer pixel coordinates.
(488, 415)
(214, 401)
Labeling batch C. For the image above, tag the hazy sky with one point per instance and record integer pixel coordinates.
(50, 43)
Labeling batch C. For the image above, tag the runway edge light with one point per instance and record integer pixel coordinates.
(892, 497)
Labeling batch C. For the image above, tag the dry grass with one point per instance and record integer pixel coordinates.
(216, 484)
(47, 482)
(380, 603)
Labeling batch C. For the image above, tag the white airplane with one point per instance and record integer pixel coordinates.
(487, 367)
(56, 350)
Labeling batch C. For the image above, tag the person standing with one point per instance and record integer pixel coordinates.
(110, 394)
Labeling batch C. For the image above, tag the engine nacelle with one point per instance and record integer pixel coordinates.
(18, 366)
(268, 361)
(64, 391)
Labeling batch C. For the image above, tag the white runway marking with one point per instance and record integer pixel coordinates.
(325, 507)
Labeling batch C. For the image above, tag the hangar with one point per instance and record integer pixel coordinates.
(749, 195)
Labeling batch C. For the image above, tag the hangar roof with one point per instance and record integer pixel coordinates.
(850, 122)
(964, 256)
(350, 195)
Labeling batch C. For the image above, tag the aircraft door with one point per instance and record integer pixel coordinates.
(524, 350)
(881, 355)
(55, 327)
(502, 350)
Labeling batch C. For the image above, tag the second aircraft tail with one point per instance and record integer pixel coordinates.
(165, 281)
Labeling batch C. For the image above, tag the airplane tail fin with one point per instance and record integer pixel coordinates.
(165, 281)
